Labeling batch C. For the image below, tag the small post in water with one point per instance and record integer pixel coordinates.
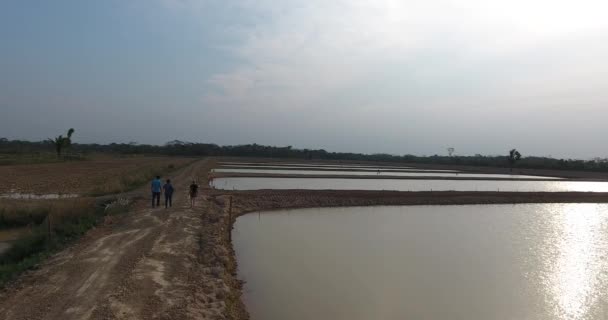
(49, 226)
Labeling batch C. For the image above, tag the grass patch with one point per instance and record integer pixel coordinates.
(64, 221)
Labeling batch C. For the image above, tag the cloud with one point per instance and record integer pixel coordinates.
(311, 49)
(367, 76)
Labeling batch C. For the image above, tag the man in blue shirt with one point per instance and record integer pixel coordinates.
(156, 188)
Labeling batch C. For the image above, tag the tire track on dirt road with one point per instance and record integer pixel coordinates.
(145, 266)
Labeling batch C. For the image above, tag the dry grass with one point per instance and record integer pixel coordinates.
(30, 158)
(101, 175)
(132, 179)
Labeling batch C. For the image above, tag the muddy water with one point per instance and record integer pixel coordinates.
(503, 262)
(8, 236)
(35, 196)
(384, 173)
(406, 185)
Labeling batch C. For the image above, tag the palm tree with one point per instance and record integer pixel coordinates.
(513, 157)
(68, 140)
(451, 151)
(61, 142)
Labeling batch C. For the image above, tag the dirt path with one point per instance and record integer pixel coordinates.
(145, 267)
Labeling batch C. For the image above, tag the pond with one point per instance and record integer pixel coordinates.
(371, 169)
(384, 173)
(533, 261)
(8, 236)
(289, 164)
(36, 196)
(246, 183)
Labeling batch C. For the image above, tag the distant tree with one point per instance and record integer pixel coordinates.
(68, 140)
(62, 142)
(513, 157)
(451, 151)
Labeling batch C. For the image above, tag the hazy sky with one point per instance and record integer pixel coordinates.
(406, 76)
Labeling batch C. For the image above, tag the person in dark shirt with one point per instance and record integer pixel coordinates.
(193, 193)
(168, 189)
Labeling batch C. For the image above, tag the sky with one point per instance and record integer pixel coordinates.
(372, 76)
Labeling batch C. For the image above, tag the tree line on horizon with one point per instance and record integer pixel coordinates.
(181, 148)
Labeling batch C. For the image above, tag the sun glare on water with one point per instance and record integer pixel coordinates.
(576, 261)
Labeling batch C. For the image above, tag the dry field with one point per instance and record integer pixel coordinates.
(98, 176)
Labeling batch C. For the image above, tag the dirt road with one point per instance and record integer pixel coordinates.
(147, 266)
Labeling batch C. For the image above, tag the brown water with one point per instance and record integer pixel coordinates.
(36, 196)
(503, 262)
(246, 183)
(8, 236)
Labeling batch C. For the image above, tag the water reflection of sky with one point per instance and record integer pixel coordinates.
(306, 165)
(256, 183)
(384, 173)
(346, 169)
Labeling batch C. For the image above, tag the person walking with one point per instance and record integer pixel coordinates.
(168, 189)
(193, 193)
(156, 189)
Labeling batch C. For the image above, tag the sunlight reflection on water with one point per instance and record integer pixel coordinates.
(576, 264)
